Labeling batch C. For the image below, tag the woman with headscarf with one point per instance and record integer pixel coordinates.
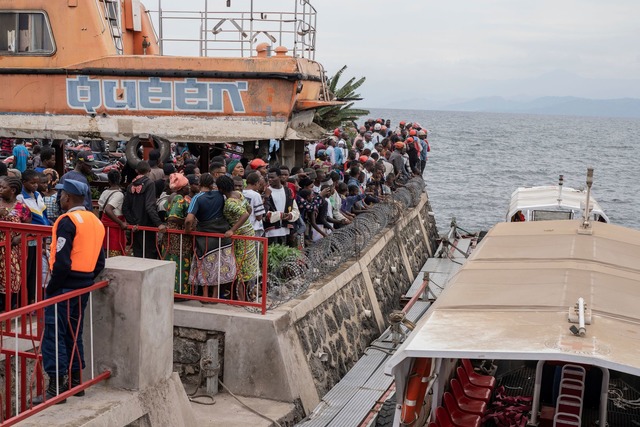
(179, 247)
(11, 210)
(213, 265)
(110, 206)
(235, 168)
(236, 211)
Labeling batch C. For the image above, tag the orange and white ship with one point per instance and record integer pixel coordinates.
(96, 69)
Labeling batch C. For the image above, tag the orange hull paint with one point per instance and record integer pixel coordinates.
(115, 95)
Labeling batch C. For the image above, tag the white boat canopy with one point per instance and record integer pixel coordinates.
(541, 203)
(511, 300)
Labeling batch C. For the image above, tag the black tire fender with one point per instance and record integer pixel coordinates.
(131, 150)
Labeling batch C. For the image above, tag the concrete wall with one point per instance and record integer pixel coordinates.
(132, 335)
(301, 349)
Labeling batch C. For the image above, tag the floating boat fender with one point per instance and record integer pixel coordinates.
(131, 150)
(416, 390)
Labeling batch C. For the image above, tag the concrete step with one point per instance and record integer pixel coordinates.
(228, 412)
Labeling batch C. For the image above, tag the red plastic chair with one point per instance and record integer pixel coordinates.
(477, 379)
(472, 391)
(443, 419)
(465, 403)
(458, 416)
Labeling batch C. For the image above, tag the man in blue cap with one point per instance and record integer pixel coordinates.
(84, 162)
(76, 259)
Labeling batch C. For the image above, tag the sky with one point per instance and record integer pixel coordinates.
(429, 50)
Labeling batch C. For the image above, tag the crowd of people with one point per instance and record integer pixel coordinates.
(341, 177)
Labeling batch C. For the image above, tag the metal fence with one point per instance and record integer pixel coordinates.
(21, 336)
(209, 267)
(237, 31)
(27, 252)
(294, 275)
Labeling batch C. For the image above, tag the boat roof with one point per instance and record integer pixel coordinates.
(511, 299)
(546, 197)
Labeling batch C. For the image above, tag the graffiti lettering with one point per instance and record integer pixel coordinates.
(188, 95)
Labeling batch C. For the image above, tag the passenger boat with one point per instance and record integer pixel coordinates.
(540, 327)
(97, 69)
(551, 202)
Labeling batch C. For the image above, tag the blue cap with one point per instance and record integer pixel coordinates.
(72, 186)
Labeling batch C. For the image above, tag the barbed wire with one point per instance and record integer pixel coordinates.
(293, 276)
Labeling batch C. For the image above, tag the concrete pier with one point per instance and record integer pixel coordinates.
(133, 338)
(298, 351)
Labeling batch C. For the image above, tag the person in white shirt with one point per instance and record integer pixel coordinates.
(281, 209)
(255, 186)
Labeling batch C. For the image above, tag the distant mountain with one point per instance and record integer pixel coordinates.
(566, 105)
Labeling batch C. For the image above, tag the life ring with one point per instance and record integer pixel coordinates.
(131, 150)
(415, 392)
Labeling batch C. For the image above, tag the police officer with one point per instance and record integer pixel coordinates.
(76, 259)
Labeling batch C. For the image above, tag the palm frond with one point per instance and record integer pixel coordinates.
(335, 116)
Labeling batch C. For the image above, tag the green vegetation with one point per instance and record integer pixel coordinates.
(279, 254)
(336, 115)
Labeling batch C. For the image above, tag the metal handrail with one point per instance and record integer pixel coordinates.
(295, 30)
(24, 388)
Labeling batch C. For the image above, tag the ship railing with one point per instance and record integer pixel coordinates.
(22, 331)
(236, 32)
(233, 270)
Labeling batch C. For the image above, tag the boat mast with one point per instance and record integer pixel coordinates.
(560, 183)
(586, 225)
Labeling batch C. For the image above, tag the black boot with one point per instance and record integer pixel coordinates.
(75, 381)
(51, 392)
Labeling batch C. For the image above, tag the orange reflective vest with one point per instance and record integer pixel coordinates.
(87, 243)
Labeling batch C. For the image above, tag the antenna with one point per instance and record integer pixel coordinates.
(586, 225)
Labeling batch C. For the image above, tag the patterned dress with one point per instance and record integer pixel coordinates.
(179, 247)
(244, 250)
(19, 213)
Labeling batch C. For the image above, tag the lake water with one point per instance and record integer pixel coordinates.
(478, 159)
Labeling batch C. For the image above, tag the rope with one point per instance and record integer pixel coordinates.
(193, 396)
(616, 396)
(247, 406)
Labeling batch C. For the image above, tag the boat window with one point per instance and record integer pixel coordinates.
(25, 33)
(539, 215)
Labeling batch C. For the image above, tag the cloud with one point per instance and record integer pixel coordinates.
(468, 48)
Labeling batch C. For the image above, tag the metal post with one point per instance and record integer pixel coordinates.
(91, 332)
(604, 397)
(15, 361)
(211, 356)
(55, 324)
(536, 395)
(160, 32)
(206, 29)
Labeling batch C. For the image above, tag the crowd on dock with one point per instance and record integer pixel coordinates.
(341, 177)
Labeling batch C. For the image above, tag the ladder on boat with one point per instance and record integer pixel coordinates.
(570, 401)
(112, 16)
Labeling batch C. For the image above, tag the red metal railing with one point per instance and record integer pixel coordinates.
(20, 346)
(247, 255)
(26, 241)
(37, 237)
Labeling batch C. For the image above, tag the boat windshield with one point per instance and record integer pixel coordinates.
(542, 215)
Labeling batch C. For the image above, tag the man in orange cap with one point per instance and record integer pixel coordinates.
(397, 160)
(400, 128)
(259, 165)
